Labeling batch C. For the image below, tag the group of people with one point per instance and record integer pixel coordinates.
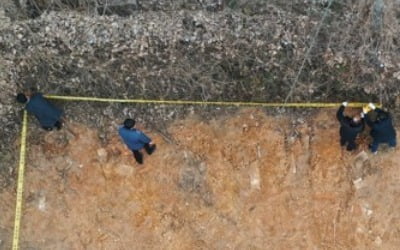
(382, 130)
(50, 117)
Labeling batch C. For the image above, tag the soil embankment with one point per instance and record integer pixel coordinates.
(249, 181)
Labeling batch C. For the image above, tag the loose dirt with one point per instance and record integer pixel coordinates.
(245, 182)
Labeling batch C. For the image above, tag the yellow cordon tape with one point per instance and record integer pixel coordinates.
(21, 169)
(216, 103)
(20, 183)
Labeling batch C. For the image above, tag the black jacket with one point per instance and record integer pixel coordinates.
(348, 130)
(382, 130)
(44, 111)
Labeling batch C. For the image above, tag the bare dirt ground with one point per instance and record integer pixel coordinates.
(248, 181)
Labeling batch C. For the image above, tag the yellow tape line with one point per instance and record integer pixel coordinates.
(217, 103)
(20, 186)
(21, 169)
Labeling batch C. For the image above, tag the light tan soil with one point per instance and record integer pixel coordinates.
(243, 182)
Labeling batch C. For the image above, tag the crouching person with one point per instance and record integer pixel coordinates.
(136, 140)
(382, 130)
(350, 127)
(48, 115)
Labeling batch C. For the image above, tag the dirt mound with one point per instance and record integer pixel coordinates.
(242, 182)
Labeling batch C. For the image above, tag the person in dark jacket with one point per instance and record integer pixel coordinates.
(382, 130)
(136, 140)
(350, 127)
(48, 115)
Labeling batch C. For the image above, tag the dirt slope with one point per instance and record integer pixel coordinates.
(243, 182)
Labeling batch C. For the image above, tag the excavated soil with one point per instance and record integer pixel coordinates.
(245, 182)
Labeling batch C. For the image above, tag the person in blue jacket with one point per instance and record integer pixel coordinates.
(350, 127)
(382, 130)
(48, 115)
(136, 140)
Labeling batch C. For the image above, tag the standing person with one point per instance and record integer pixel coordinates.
(350, 127)
(136, 140)
(382, 130)
(48, 115)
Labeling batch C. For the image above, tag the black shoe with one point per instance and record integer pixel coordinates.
(152, 149)
(138, 156)
(48, 128)
(58, 125)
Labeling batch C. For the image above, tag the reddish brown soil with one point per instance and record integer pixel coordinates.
(243, 182)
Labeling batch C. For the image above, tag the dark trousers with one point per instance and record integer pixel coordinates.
(139, 155)
(351, 144)
(374, 146)
(58, 125)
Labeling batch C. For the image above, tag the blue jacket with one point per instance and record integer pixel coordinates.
(133, 138)
(348, 130)
(44, 111)
(381, 131)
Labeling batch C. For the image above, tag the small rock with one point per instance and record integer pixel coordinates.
(362, 156)
(255, 180)
(378, 240)
(42, 204)
(397, 75)
(367, 210)
(102, 154)
(245, 127)
(358, 183)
